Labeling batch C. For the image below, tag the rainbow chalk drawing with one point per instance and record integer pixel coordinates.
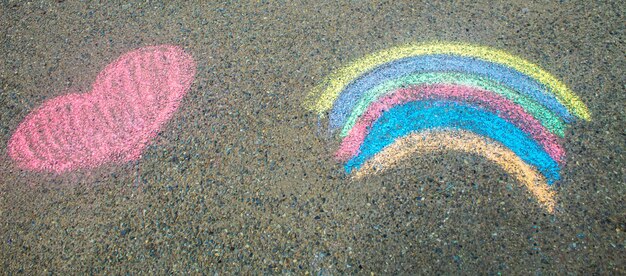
(435, 97)
(131, 99)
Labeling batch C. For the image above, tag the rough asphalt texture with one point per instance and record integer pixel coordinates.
(242, 179)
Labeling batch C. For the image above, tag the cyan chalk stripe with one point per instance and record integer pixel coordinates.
(416, 116)
(447, 63)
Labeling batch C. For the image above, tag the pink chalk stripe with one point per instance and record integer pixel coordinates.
(499, 105)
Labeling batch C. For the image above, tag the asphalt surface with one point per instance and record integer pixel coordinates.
(242, 179)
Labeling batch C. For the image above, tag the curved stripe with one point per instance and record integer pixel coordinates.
(500, 106)
(548, 119)
(323, 95)
(437, 141)
(429, 63)
(416, 116)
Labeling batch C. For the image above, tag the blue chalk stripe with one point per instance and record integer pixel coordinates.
(443, 63)
(423, 115)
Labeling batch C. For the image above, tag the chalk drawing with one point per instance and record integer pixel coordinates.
(433, 97)
(131, 99)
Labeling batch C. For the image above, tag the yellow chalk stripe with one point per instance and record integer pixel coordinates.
(321, 98)
(435, 141)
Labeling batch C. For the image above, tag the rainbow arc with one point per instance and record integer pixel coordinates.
(431, 97)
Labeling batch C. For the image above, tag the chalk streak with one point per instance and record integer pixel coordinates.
(547, 118)
(437, 141)
(444, 63)
(500, 106)
(411, 117)
(322, 96)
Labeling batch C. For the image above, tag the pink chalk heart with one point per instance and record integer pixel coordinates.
(131, 99)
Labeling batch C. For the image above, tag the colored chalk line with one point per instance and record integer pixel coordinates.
(131, 99)
(439, 96)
